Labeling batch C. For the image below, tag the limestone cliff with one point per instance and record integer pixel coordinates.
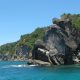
(60, 45)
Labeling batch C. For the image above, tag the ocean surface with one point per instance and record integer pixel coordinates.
(19, 70)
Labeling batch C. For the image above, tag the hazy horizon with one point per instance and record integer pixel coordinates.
(18, 17)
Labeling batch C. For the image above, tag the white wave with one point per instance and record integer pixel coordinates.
(18, 66)
(9, 66)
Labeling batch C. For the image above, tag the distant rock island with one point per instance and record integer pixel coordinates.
(57, 44)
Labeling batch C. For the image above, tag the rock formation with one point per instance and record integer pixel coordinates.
(60, 45)
(22, 51)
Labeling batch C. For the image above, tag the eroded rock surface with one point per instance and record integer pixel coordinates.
(60, 45)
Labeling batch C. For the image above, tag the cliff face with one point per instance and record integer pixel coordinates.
(22, 50)
(21, 53)
(60, 45)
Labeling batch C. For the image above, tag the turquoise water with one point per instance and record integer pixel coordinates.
(10, 70)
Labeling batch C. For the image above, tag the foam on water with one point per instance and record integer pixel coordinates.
(9, 66)
(17, 66)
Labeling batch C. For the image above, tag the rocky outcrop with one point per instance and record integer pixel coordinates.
(60, 45)
(22, 51)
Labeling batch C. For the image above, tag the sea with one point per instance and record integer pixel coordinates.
(19, 70)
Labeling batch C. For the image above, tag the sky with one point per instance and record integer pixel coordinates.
(18, 17)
